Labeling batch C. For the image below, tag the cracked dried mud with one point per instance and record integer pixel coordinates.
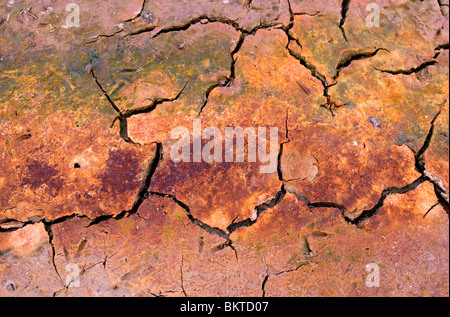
(86, 176)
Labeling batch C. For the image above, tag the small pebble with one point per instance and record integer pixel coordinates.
(147, 17)
(375, 121)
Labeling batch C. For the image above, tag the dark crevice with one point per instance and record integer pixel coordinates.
(300, 197)
(122, 120)
(442, 6)
(440, 48)
(124, 115)
(143, 191)
(266, 278)
(152, 106)
(139, 14)
(211, 230)
(410, 71)
(105, 93)
(414, 70)
(430, 210)
(419, 155)
(11, 225)
(306, 13)
(307, 251)
(47, 223)
(345, 6)
(228, 81)
(204, 226)
(441, 191)
(182, 276)
(222, 83)
(367, 214)
(340, 207)
(444, 46)
(281, 150)
(314, 72)
(263, 287)
(280, 158)
(330, 104)
(230, 245)
(101, 219)
(348, 60)
(141, 196)
(234, 225)
(48, 229)
(420, 164)
(287, 29)
(123, 130)
(225, 82)
(145, 30)
(233, 54)
(290, 26)
(162, 294)
(303, 264)
(97, 37)
(258, 211)
(203, 19)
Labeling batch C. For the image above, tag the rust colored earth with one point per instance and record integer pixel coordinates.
(92, 203)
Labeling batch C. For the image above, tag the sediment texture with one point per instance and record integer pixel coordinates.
(86, 176)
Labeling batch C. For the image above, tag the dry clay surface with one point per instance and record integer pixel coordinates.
(87, 180)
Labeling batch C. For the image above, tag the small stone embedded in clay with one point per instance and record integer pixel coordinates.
(147, 17)
(376, 122)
